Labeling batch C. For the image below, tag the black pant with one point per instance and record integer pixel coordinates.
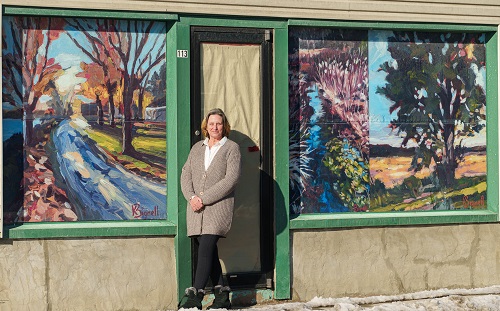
(208, 264)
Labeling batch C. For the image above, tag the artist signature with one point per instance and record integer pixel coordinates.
(473, 203)
(139, 211)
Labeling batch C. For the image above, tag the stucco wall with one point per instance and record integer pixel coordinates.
(449, 11)
(88, 274)
(377, 261)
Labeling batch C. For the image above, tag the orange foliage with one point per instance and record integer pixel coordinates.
(92, 92)
(93, 73)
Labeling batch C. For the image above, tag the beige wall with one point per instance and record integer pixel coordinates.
(389, 261)
(139, 273)
(88, 274)
(450, 11)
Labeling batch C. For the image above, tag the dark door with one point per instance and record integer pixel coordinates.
(231, 70)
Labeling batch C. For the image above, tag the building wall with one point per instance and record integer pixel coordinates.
(449, 11)
(140, 273)
(88, 274)
(390, 261)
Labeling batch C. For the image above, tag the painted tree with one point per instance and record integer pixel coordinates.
(31, 38)
(157, 86)
(57, 104)
(12, 67)
(95, 88)
(341, 74)
(142, 95)
(64, 97)
(140, 46)
(342, 78)
(97, 48)
(142, 100)
(434, 83)
(330, 137)
(99, 94)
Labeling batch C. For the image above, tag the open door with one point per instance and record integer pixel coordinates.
(231, 70)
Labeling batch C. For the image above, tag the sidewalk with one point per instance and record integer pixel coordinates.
(484, 299)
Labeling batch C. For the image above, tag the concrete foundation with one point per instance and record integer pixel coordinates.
(394, 260)
(88, 274)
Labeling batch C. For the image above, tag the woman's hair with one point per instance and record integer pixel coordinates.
(226, 128)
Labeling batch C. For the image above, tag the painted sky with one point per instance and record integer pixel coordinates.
(379, 104)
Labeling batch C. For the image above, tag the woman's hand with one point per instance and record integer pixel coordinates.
(196, 204)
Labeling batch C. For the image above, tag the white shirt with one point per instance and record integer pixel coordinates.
(211, 151)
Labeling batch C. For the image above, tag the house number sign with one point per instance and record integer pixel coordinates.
(182, 53)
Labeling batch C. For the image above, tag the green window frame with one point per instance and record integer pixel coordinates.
(287, 222)
(113, 228)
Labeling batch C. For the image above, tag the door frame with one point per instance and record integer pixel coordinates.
(263, 37)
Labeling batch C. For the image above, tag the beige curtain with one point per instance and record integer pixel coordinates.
(230, 80)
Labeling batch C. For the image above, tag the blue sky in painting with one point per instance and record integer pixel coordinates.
(379, 104)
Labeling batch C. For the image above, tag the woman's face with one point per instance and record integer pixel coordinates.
(215, 126)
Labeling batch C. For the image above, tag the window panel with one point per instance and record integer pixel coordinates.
(84, 132)
(384, 121)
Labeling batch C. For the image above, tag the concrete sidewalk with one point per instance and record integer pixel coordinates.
(484, 299)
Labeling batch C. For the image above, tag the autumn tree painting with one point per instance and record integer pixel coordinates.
(96, 47)
(121, 52)
(136, 60)
(30, 38)
(79, 162)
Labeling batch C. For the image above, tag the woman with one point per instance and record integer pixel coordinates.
(208, 180)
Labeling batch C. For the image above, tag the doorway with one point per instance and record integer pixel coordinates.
(231, 69)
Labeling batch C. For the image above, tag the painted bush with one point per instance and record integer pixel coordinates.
(386, 121)
(74, 95)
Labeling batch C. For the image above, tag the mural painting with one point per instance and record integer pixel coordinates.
(77, 144)
(386, 121)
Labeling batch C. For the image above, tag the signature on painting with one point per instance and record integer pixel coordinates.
(139, 211)
(473, 203)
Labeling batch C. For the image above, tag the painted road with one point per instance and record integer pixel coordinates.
(98, 188)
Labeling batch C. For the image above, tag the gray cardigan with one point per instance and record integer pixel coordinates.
(215, 187)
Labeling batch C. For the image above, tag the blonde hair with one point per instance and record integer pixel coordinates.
(226, 128)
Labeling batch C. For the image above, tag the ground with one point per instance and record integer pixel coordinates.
(480, 299)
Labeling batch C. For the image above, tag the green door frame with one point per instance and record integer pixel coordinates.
(181, 88)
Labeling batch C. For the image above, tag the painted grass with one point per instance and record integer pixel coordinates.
(148, 145)
(105, 141)
(392, 171)
(432, 199)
